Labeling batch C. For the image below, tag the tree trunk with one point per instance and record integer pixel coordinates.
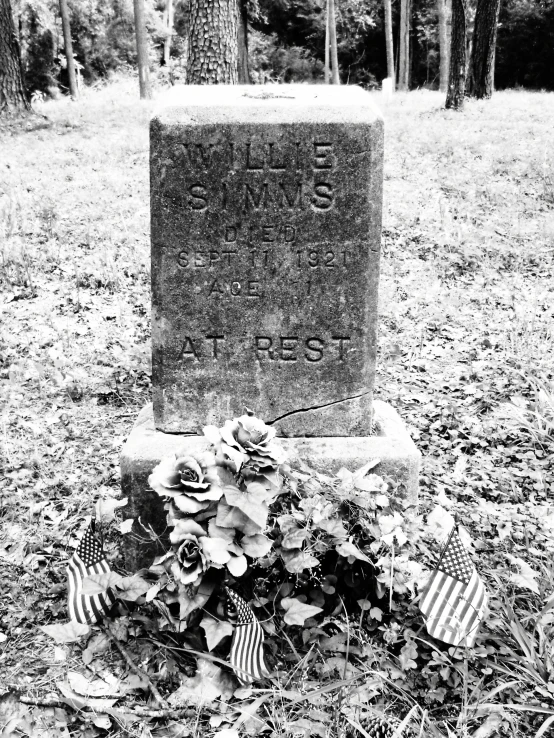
(335, 79)
(404, 46)
(68, 47)
(13, 98)
(213, 42)
(458, 65)
(142, 51)
(445, 17)
(168, 17)
(389, 42)
(242, 41)
(481, 66)
(327, 34)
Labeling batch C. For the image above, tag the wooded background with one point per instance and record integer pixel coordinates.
(285, 40)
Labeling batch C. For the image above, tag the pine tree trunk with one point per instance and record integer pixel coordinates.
(481, 66)
(68, 48)
(445, 12)
(335, 79)
(13, 98)
(142, 51)
(458, 65)
(389, 41)
(168, 17)
(242, 40)
(404, 46)
(213, 42)
(327, 34)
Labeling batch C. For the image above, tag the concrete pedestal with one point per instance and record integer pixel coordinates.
(398, 457)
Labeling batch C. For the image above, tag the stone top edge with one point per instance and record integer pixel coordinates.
(190, 104)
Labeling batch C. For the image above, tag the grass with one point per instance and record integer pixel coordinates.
(466, 348)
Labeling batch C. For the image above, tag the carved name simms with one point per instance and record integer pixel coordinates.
(253, 196)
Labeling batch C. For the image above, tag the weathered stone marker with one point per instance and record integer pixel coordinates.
(266, 217)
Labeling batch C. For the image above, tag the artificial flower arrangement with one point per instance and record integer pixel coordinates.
(293, 542)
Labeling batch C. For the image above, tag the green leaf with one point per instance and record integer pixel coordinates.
(250, 503)
(298, 563)
(66, 632)
(256, 546)
(334, 527)
(296, 612)
(232, 517)
(131, 588)
(347, 549)
(215, 630)
(295, 538)
(99, 583)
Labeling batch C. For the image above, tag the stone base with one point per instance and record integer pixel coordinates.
(398, 457)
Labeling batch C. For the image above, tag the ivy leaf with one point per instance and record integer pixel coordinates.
(66, 632)
(99, 583)
(347, 549)
(256, 546)
(296, 612)
(251, 503)
(131, 588)
(295, 538)
(215, 630)
(298, 563)
(334, 527)
(232, 517)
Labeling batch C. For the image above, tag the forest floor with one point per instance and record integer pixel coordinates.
(466, 356)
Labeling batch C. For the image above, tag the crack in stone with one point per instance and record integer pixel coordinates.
(315, 407)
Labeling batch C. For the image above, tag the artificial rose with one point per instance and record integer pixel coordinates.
(191, 482)
(188, 561)
(246, 441)
(249, 435)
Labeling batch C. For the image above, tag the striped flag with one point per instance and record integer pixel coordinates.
(454, 600)
(247, 647)
(88, 559)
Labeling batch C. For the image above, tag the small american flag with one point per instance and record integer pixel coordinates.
(247, 647)
(454, 600)
(88, 559)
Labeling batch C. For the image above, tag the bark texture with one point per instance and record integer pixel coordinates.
(142, 51)
(68, 48)
(327, 77)
(13, 98)
(458, 64)
(243, 68)
(168, 21)
(335, 79)
(404, 46)
(444, 8)
(213, 42)
(481, 67)
(389, 42)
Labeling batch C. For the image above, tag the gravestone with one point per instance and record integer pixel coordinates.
(266, 216)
